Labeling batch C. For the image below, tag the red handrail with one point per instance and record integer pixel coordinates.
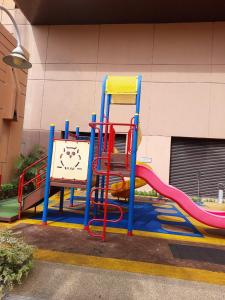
(35, 179)
(39, 174)
(34, 164)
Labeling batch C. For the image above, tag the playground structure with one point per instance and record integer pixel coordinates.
(103, 159)
(104, 162)
(89, 164)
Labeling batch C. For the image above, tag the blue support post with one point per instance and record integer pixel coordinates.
(107, 117)
(134, 158)
(72, 189)
(101, 119)
(71, 196)
(138, 97)
(66, 135)
(48, 174)
(108, 106)
(77, 132)
(90, 172)
(102, 114)
(102, 110)
(132, 175)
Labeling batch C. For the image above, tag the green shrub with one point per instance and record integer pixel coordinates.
(151, 193)
(15, 260)
(196, 199)
(24, 161)
(209, 200)
(7, 186)
(7, 190)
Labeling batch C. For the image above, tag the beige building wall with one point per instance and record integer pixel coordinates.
(183, 68)
(158, 149)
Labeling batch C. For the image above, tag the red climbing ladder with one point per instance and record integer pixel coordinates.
(111, 164)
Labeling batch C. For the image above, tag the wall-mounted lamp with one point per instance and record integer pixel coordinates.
(16, 58)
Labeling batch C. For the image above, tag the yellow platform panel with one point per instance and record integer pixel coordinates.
(123, 99)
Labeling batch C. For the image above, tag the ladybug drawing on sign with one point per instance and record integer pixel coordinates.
(70, 159)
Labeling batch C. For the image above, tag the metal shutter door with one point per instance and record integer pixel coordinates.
(190, 156)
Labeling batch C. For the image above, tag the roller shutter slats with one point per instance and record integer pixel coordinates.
(190, 155)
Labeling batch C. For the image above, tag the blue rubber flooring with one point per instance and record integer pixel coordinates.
(145, 217)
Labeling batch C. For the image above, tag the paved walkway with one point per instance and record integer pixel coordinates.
(53, 281)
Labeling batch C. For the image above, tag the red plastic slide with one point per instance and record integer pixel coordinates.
(211, 218)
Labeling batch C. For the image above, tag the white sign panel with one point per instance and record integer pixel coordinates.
(70, 160)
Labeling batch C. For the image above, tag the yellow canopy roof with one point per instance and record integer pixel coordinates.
(121, 85)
